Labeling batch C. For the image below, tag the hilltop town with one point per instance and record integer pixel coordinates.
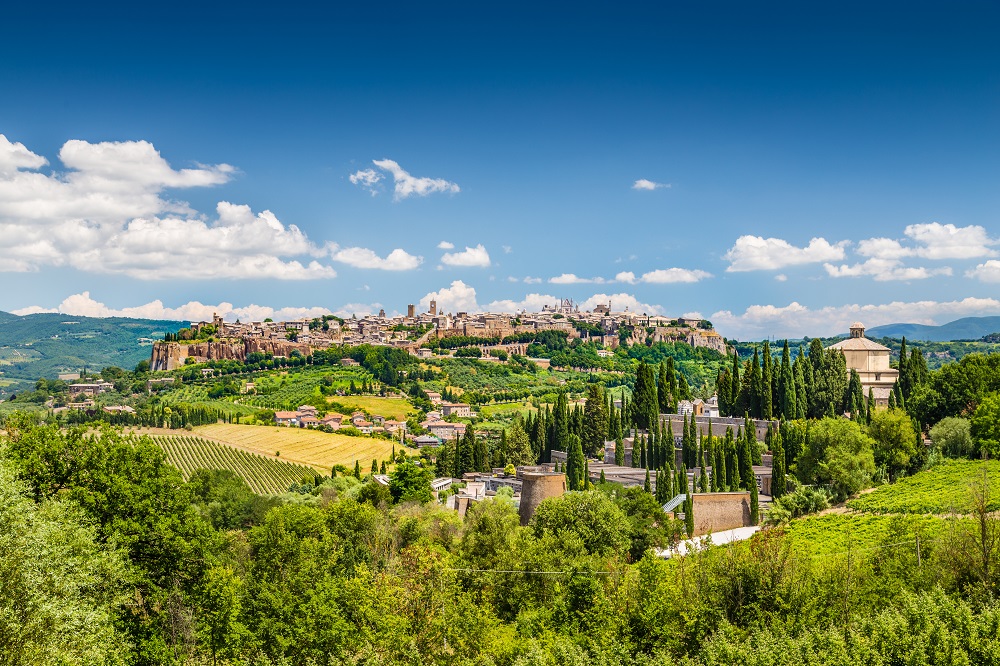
(492, 332)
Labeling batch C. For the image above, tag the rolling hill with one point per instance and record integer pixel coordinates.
(43, 345)
(967, 328)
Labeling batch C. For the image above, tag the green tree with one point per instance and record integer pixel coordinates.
(595, 420)
(519, 449)
(767, 384)
(984, 426)
(410, 483)
(839, 455)
(592, 518)
(787, 400)
(575, 463)
(895, 439)
(219, 605)
(619, 452)
(778, 465)
(952, 436)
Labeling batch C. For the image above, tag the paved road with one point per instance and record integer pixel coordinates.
(717, 538)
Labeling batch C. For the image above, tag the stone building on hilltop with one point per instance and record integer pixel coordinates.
(871, 361)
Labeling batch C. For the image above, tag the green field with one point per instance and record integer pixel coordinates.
(265, 476)
(838, 533)
(391, 408)
(945, 488)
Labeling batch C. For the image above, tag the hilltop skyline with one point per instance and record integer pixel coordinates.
(780, 173)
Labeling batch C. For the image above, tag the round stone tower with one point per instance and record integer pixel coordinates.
(537, 487)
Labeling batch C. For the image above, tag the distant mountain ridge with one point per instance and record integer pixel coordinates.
(967, 328)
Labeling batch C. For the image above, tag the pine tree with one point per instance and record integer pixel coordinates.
(778, 464)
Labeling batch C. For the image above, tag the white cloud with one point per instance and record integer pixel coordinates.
(674, 275)
(368, 179)
(459, 297)
(82, 305)
(532, 280)
(445, 245)
(405, 185)
(946, 241)
(361, 257)
(986, 272)
(884, 270)
(619, 302)
(628, 277)
(570, 278)
(107, 213)
(781, 277)
(531, 303)
(644, 184)
(470, 256)
(507, 249)
(755, 253)
(795, 320)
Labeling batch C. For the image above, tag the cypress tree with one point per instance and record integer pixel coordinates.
(645, 484)
(871, 406)
(560, 419)
(683, 390)
(733, 481)
(745, 459)
(674, 391)
(778, 464)
(671, 446)
(723, 387)
(689, 516)
(586, 474)
(382, 468)
(640, 442)
(374, 466)
(575, 464)
(619, 452)
(756, 386)
(801, 395)
(767, 384)
(357, 470)
(663, 390)
(702, 474)
(718, 468)
(786, 386)
(735, 387)
(754, 504)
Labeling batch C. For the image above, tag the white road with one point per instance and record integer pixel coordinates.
(717, 538)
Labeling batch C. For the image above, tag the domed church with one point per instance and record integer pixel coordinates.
(871, 361)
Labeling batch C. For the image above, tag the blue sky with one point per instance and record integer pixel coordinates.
(803, 166)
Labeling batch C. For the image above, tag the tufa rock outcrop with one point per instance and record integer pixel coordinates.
(171, 355)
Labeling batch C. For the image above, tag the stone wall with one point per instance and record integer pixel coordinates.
(715, 512)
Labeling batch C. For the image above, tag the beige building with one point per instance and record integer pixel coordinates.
(871, 361)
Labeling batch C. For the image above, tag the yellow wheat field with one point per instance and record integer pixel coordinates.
(319, 450)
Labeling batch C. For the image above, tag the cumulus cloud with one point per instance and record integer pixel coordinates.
(781, 277)
(107, 213)
(361, 257)
(459, 297)
(796, 320)
(368, 179)
(755, 253)
(620, 302)
(674, 275)
(644, 184)
(404, 184)
(884, 270)
(532, 280)
(445, 245)
(986, 272)
(570, 278)
(470, 256)
(83, 305)
(946, 241)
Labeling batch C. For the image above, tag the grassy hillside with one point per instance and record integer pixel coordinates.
(316, 449)
(44, 345)
(944, 488)
(967, 328)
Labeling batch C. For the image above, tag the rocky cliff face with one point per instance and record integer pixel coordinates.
(171, 355)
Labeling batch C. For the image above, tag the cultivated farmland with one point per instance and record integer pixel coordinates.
(265, 476)
(317, 449)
